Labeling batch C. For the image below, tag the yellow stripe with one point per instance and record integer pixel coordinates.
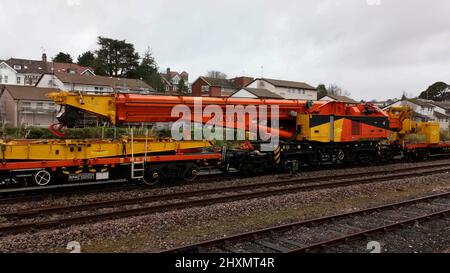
(277, 150)
(277, 157)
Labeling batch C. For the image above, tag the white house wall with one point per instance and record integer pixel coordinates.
(88, 88)
(50, 81)
(262, 85)
(287, 93)
(11, 74)
(243, 94)
(444, 124)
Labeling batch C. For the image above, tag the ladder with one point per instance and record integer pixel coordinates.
(137, 170)
(138, 167)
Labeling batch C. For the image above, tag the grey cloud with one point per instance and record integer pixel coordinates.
(372, 51)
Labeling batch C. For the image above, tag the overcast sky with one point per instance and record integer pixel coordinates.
(371, 48)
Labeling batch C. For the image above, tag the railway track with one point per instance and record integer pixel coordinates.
(325, 232)
(13, 195)
(190, 199)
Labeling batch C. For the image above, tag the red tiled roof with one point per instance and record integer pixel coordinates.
(39, 67)
(66, 67)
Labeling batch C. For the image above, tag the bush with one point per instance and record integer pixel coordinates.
(415, 138)
(445, 135)
(78, 133)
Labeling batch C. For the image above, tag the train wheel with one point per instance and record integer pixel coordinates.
(340, 155)
(152, 177)
(191, 173)
(42, 178)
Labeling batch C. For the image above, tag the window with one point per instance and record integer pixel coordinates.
(39, 106)
(205, 88)
(17, 67)
(1, 78)
(18, 80)
(6, 79)
(26, 106)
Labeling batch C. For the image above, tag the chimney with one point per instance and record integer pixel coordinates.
(44, 58)
(168, 70)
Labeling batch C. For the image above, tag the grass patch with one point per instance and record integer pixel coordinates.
(3, 220)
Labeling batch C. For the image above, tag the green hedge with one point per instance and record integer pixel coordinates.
(77, 133)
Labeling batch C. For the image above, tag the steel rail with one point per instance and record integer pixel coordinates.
(220, 190)
(325, 219)
(54, 223)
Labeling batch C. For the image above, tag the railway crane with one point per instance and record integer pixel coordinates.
(310, 133)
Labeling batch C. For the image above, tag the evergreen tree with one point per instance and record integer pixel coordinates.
(87, 59)
(63, 58)
(321, 91)
(148, 72)
(439, 91)
(182, 87)
(117, 58)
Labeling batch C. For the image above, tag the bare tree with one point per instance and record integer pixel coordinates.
(335, 90)
(216, 74)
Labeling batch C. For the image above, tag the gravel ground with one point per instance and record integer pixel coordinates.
(93, 197)
(140, 205)
(164, 230)
(426, 237)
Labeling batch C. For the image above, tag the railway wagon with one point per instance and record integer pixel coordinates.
(41, 162)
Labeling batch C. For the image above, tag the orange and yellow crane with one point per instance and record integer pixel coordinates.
(309, 133)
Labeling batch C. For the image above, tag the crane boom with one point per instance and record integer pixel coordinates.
(132, 108)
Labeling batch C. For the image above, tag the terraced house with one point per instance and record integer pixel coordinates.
(427, 110)
(172, 79)
(27, 72)
(93, 84)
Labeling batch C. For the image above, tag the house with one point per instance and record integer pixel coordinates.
(286, 89)
(26, 106)
(93, 84)
(255, 93)
(171, 80)
(427, 110)
(29, 71)
(214, 87)
(338, 98)
(10, 76)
